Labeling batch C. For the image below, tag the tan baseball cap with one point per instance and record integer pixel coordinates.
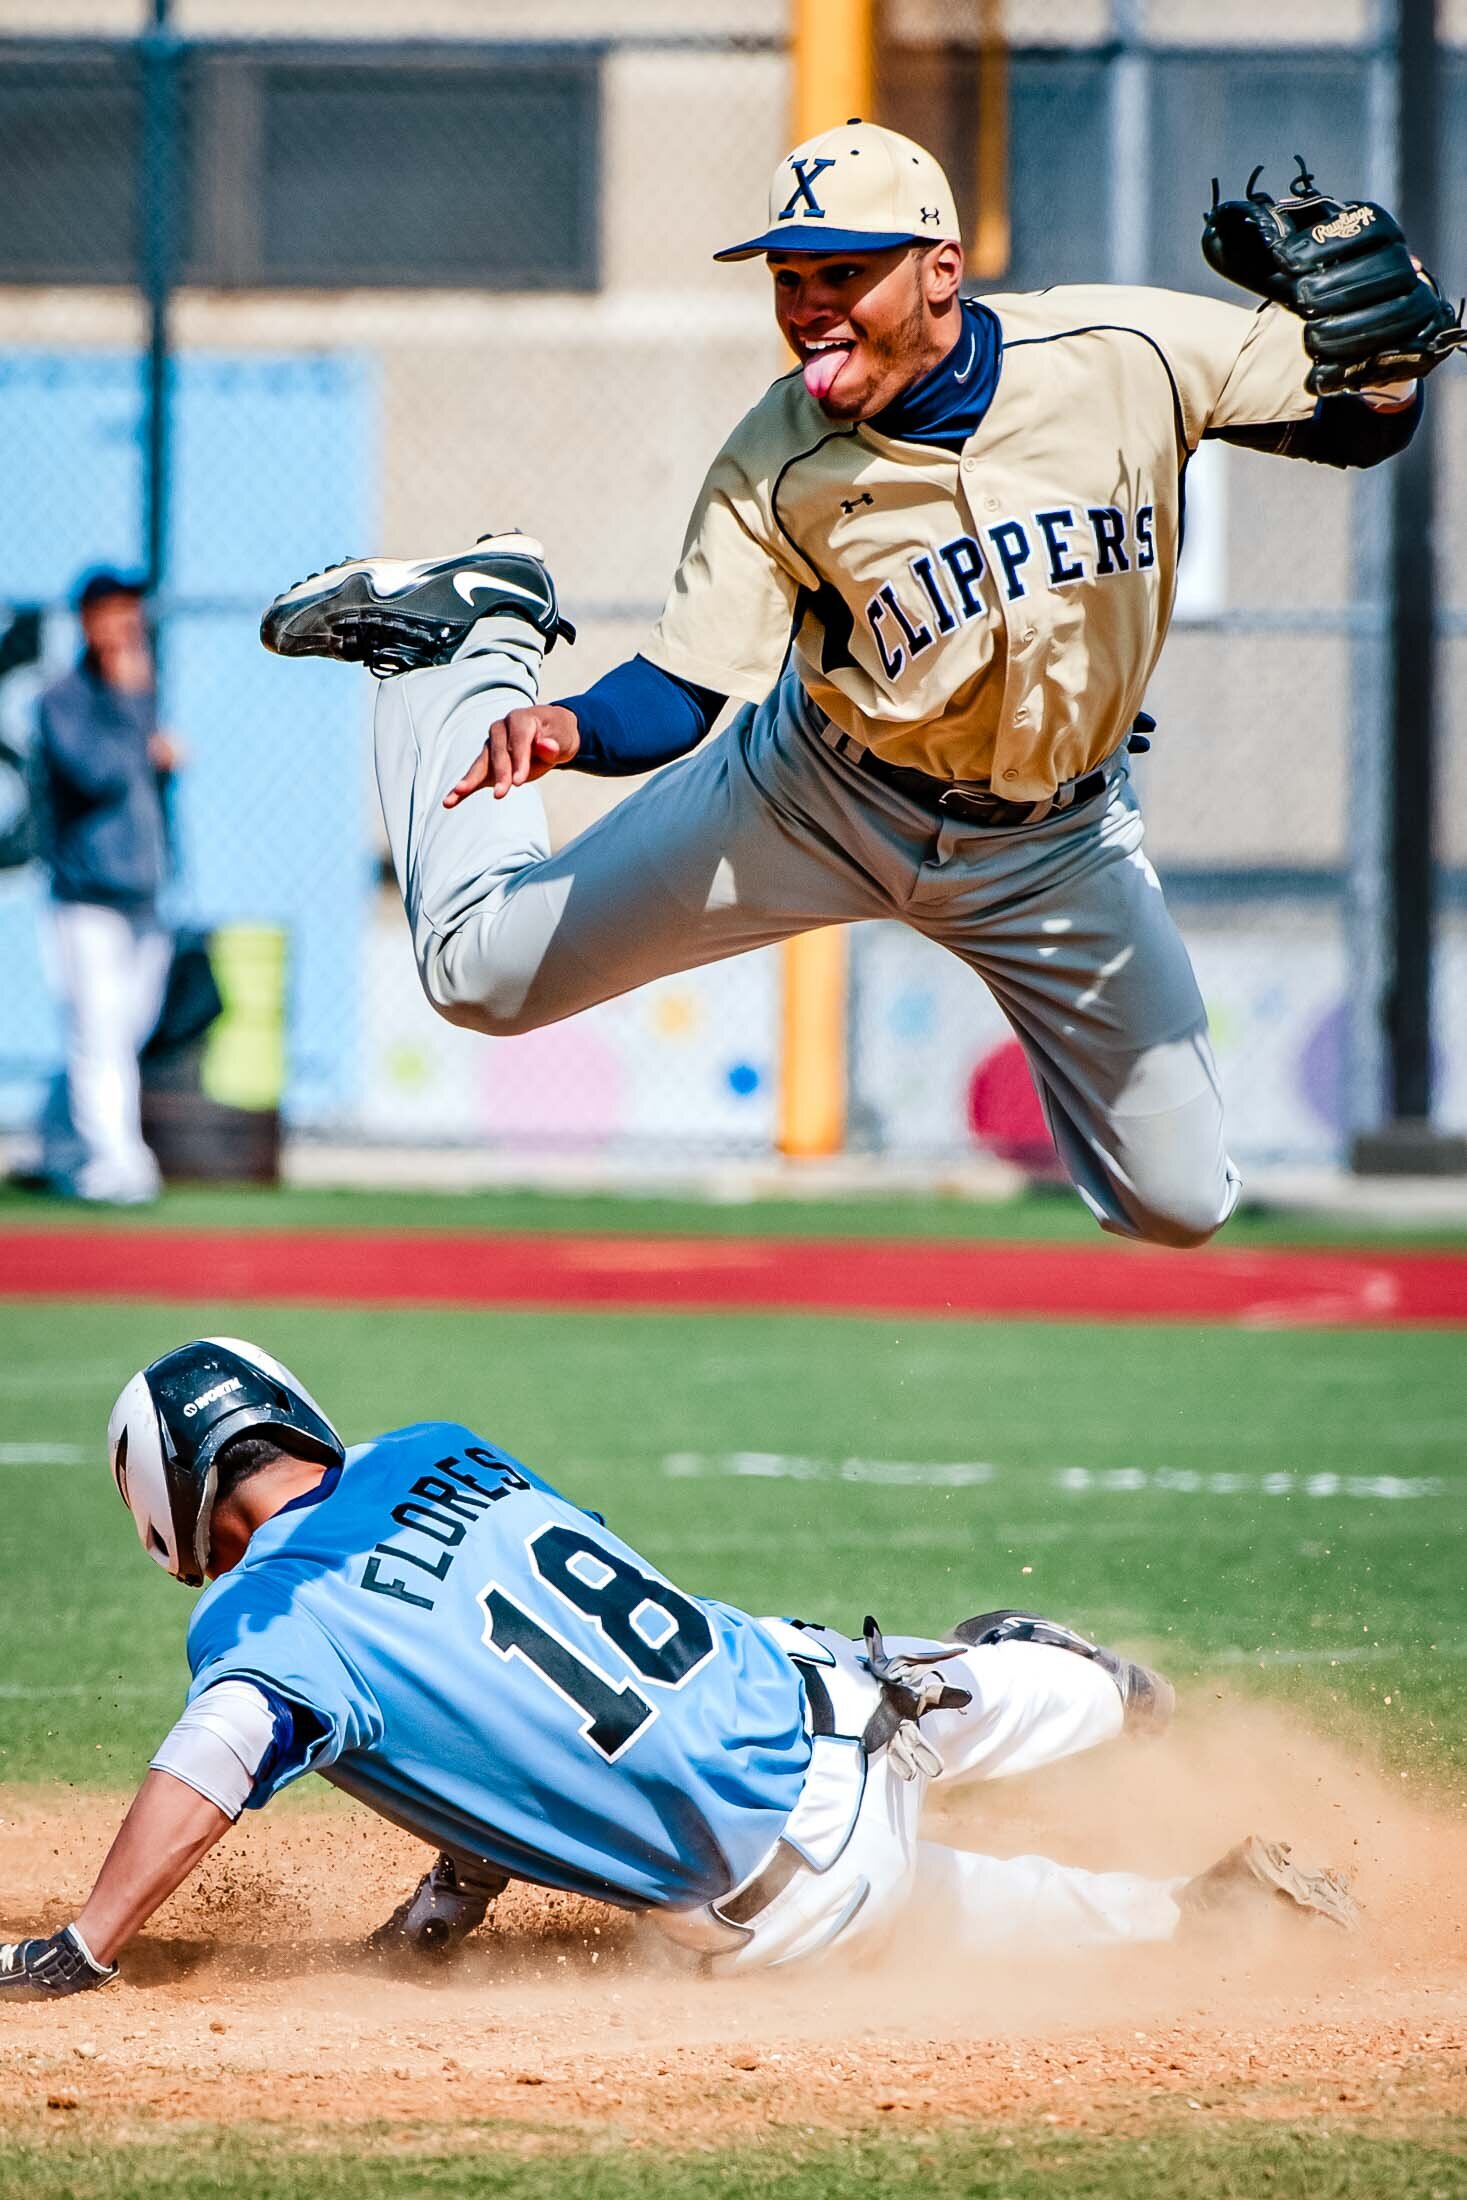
(856, 189)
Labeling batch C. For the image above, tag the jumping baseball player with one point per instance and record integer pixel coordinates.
(432, 1628)
(936, 563)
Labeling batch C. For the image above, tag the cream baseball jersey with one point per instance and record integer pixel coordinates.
(992, 614)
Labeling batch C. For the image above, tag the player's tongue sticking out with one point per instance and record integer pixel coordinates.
(821, 369)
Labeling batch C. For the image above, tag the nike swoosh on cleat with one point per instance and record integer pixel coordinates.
(469, 584)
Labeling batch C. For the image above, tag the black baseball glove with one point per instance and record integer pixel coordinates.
(41, 1970)
(1370, 314)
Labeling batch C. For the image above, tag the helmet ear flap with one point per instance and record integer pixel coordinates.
(204, 1525)
(139, 1456)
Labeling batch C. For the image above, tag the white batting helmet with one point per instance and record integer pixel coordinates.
(167, 1428)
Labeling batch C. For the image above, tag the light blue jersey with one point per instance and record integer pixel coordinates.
(486, 1665)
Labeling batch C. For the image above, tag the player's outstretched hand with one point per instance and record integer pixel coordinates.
(41, 1970)
(524, 746)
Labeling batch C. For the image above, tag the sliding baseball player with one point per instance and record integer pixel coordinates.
(437, 1632)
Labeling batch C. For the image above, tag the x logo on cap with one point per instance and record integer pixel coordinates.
(802, 199)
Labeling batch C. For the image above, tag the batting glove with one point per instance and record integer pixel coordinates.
(40, 1970)
(910, 1687)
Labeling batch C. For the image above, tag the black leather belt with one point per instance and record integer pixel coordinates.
(773, 1877)
(980, 806)
(976, 805)
(742, 1908)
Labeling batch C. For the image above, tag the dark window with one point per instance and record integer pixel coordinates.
(1452, 201)
(331, 169)
(1057, 153)
(308, 166)
(1059, 168)
(68, 138)
(1219, 115)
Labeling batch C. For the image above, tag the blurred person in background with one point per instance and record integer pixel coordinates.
(103, 768)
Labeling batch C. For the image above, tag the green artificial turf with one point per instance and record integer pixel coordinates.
(1051, 1215)
(1219, 2161)
(1285, 1507)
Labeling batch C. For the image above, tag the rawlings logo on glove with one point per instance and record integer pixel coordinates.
(1371, 316)
(40, 1970)
(1348, 224)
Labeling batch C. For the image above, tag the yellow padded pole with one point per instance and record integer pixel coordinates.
(812, 1092)
(833, 45)
(988, 255)
(834, 50)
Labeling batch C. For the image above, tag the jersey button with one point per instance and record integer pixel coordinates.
(1029, 634)
(990, 504)
(1011, 773)
(970, 465)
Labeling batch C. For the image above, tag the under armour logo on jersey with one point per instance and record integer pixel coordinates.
(802, 199)
(853, 504)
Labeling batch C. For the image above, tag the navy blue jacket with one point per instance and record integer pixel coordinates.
(101, 798)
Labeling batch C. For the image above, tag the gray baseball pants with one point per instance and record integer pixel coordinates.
(764, 832)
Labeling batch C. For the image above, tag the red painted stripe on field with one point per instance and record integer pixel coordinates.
(1102, 1282)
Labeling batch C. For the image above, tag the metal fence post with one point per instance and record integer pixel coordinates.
(158, 53)
(1129, 90)
(1364, 912)
(1409, 1143)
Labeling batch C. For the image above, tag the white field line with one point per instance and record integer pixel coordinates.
(68, 1375)
(787, 1467)
(958, 1474)
(1071, 1481)
(1233, 1655)
(1375, 1653)
(111, 1691)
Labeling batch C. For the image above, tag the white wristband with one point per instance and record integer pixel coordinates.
(1389, 396)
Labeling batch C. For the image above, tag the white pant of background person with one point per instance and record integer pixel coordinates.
(1032, 1704)
(111, 969)
(766, 831)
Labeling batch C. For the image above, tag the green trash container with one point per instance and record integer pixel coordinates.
(211, 1113)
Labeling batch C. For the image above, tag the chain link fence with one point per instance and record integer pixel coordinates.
(434, 285)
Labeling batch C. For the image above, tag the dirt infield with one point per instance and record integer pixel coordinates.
(246, 1999)
(1106, 1281)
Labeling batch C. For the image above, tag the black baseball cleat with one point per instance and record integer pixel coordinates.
(1260, 1875)
(450, 1901)
(1148, 1699)
(398, 614)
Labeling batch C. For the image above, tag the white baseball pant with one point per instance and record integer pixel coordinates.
(764, 832)
(1031, 1705)
(112, 967)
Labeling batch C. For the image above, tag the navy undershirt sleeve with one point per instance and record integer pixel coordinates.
(637, 717)
(1341, 431)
